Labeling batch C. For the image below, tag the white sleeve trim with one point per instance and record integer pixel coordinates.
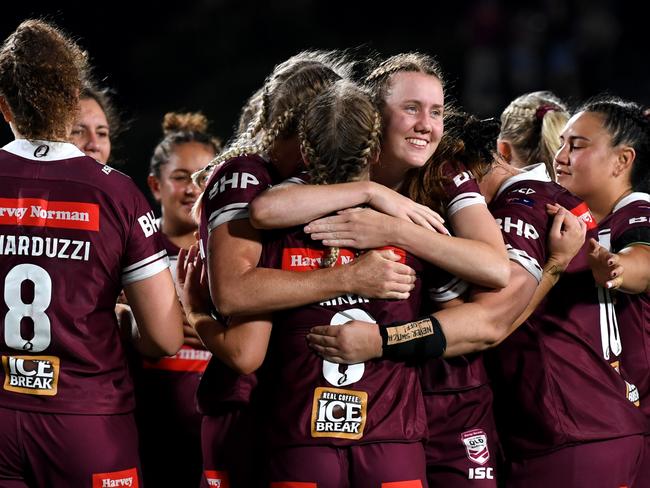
(465, 200)
(227, 213)
(144, 261)
(528, 262)
(450, 290)
(146, 270)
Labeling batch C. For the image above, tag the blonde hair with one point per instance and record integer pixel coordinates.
(285, 94)
(41, 75)
(379, 79)
(532, 123)
(340, 133)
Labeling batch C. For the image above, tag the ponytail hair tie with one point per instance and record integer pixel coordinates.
(542, 109)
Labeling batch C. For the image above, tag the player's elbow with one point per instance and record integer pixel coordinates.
(501, 273)
(261, 213)
(244, 362)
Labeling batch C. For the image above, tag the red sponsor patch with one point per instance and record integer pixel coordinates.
(187, 359)
(36, 212)
(306, 259)
(218, 479)
(583, 213)
(128, 477)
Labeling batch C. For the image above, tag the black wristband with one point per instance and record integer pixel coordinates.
(418, 340)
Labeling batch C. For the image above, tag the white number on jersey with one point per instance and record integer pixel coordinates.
(35, 310)
(345, 374)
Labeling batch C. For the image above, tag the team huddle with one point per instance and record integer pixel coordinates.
(366, 287)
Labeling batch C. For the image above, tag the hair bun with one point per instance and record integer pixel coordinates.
(184, 122)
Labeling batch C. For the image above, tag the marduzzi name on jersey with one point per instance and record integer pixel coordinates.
(51, 247)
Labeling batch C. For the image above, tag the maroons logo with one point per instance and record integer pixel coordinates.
(41, 151)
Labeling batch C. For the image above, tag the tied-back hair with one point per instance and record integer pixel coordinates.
(467, 140)
(379, 79)
(532, 123)
(181, 128)
(628, 123)
(340, 133)
(285, 94)
(41, 75)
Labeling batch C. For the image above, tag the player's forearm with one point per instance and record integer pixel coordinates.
(470, 260)
(289, 205)
(635, 261)
(263, 290)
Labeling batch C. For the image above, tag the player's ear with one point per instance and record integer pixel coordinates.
(6, 110)
(504, 148)
(154, 186)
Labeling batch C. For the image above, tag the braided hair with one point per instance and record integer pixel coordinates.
(379, 79)
(340, 134)
(532, 124)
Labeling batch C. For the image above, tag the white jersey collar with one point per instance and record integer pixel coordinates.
(534, 172)
(42, 150)
(632, 197)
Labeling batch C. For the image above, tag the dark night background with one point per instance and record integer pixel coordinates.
(210, 55)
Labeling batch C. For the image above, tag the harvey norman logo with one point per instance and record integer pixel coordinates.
(37, 212)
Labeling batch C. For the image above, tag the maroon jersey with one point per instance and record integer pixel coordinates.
(552, 385)
(627, 225)
(461, 188)
(72, 234)
(231, 188)
(188, 362)
(315, 402)
(462, 372)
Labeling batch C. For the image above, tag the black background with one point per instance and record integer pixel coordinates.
(210, 55)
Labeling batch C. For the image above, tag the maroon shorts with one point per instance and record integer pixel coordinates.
(56, 450)
(385, 465)
(462, 449)
(169, 427)
(230, 444)
(613, 463)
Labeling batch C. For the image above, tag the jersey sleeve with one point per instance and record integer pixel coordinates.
(231, 189)
(145, 254)
(524, 226)
(461, 189)
(443, 286)
(632, 227)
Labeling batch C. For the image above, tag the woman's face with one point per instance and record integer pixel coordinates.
(412, 117)
(586, 159)
(175, 190)
(91, 132)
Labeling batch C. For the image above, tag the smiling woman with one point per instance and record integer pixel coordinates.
(165, 389)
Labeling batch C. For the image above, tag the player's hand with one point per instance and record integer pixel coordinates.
(392, 203)
(566, 236)
(360, 228)
(379, 274)
(605, 266)
(192, 279)
(353, 342)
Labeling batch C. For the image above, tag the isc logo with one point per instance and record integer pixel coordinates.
(481, 473)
